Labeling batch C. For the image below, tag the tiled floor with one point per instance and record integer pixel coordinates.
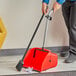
(8, 63)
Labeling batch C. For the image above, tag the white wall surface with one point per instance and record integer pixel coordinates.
(21, 17)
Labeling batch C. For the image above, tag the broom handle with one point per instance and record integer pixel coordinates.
(33, 36)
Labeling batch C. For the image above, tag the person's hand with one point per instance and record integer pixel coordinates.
(44, 8)
(56, 6)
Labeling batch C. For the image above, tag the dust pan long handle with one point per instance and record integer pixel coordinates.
(48, 17)
(45, 32)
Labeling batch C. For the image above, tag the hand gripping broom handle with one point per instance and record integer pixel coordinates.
(20, 63)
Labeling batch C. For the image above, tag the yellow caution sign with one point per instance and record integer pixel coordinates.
(3, 33)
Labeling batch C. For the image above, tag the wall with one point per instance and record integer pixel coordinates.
(21, 17)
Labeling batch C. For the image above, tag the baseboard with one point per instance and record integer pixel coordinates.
(20, 51)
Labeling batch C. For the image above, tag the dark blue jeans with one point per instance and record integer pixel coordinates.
(69, 14)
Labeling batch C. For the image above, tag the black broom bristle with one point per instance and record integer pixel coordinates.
(19, 65)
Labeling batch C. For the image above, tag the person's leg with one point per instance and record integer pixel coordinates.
(73, 27)
(72, 34)
(66, 15)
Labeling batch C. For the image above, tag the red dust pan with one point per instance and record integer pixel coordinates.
(38, 59)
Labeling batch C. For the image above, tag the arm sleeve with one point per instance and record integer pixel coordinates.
(60, 1)
(46, 1)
